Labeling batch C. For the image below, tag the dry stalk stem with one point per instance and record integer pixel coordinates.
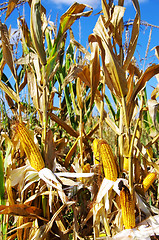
(44, 108)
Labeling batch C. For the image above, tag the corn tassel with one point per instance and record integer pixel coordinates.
(127, 206)
(95, 151)
(108, 160)
(32, 152)
(149, 179)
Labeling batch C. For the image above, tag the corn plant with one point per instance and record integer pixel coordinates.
(63, 180)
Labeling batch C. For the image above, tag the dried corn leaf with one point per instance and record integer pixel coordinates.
(157, 51)
(146, 76)
(133, 41)
(36, 30)
(84, 75)
(78, 45)
(34, 90)
(70, 153)
(11, 6)
(94, 66)
(64, 125)
(136, 6)
(7, 50)
(155, 92)
(11, 104)
(27, 59)
(24, 83)
(153, 107)
(21, 210)
(74, 174)
(117, 16)
(73, 13)
(9, 92)
(105, 9)
(72, 74)
(23, 226)
(25, 34)
(114, 74)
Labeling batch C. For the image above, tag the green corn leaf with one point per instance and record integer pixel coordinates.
(110, 107)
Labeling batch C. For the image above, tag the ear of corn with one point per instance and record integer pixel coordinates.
(108, 160)
(149, 179)
(126, 164)
(95, 151)
(32, 152)
(127, 207)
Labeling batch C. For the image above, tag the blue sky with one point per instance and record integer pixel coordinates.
(149, 13)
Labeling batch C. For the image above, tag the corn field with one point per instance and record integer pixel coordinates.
(66, 172)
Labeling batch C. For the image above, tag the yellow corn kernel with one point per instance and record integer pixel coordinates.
(32, 152)
(149, 179)
(108, 160)
(86, 168)
(95, 151)
(126, 164)
(127, 206)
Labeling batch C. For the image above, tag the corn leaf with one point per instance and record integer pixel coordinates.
(136, 6)
(9, 92)
(67, 19)
(153, 107)
(36, 30)
(70, 153)
(94, 67)
(157, 51)
(21, 210)
(7, 50)
(78, 45)
(146, 76)
(72, 14)
(25, 34)
(133, 41)
(105, 9)
(64, 125)
(114, 74)
(111, 110)
(11, 6)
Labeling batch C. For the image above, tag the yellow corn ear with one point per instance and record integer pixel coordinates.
(95, 151)
(127, 206)
(108, 160)
(32, 152)
(149, 179)
(86, 168)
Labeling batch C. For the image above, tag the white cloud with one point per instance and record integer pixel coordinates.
(127, 2)
(93, 3)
